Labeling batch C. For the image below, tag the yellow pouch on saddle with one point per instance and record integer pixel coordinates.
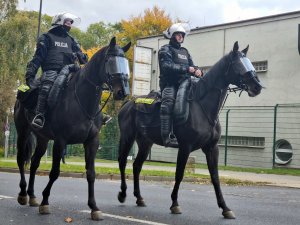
(148, 101)
(23, 88)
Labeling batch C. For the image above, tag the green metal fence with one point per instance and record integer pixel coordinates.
(108, 148)
(262, 137)
(258, 137)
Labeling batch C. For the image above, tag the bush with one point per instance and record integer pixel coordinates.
(1, 152)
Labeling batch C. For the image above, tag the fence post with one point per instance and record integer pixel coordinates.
(190, 164)
(274, 132)
(226, 137)
(14, 141)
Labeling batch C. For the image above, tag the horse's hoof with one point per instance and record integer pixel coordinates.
(23, 200)
(33, 202)
(175, 210)
(44, 209)
(121, 197)
(141, 203)
(228, 215)
(97, 215)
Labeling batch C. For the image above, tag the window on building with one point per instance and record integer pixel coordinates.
(261, 66)
(241, 141)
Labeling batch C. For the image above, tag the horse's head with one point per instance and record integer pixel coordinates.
(117, 69)
(242, 72)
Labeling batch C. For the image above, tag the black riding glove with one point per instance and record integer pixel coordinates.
(31, 71)
(82, 58)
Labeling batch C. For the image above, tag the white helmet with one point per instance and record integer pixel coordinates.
(59, 19)
(177, 27)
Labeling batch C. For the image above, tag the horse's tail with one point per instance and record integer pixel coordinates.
(30, 145)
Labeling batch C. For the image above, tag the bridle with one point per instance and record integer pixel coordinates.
(241, 85)
(98, 89)
(246, 73)
(115, 67)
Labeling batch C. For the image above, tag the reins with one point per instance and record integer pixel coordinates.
(221, 104)
(98, 89)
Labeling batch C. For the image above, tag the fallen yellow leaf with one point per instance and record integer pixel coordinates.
(68, 220)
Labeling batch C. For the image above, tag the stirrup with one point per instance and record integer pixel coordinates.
(37, 125)
(171, 141)
(106, 119)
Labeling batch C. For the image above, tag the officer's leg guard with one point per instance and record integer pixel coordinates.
(167, 105)
(39, 119)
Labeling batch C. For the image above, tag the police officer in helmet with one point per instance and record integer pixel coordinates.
(175, 65)
(55, 49)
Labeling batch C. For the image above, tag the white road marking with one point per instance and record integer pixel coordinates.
(127, 218)
(4, 197)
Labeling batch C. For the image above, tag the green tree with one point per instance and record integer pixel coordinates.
(17, 44)
(83, 38)
(97, 34)
(7, 8)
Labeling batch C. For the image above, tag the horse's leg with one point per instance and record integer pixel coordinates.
(125, 144)
(91, 147)
(182, 157)
(212, 157)
(54, 174)
(21, 159)
(40, 150)
(143, 152)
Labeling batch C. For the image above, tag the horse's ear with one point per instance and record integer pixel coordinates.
(236, 46)
(245, 50)
(113, 41)
(126, 47)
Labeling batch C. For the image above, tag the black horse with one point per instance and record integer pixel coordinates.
(201, 130)
(76, 118)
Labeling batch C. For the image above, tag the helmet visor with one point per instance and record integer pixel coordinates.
(75, 19)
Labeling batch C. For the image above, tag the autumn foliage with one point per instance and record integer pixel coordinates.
(153, 22)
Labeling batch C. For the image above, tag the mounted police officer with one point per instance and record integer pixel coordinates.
(175, 65)
(55, 49)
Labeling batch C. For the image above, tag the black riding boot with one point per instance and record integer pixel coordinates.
(39, 119)
(169, 139)
(166, 110)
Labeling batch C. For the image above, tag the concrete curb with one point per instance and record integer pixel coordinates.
(108, 176)
(161, 178)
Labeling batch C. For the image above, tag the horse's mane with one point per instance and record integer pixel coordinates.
(202, 86)
(99, 52)
(214, 71)
(93, 62)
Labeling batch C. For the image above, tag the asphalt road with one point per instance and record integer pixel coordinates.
(252, 205)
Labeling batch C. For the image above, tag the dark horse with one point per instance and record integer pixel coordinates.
(201, 130)
(76, 118)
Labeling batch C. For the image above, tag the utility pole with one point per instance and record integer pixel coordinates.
(40, 15)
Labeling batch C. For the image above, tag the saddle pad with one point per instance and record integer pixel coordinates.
(148, 101)
(28, 97)
(23, 88)
(147, 108)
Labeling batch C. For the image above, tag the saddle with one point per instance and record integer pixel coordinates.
(29, 96)
(148, 106)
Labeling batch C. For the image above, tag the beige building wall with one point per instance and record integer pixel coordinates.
(273, 39)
